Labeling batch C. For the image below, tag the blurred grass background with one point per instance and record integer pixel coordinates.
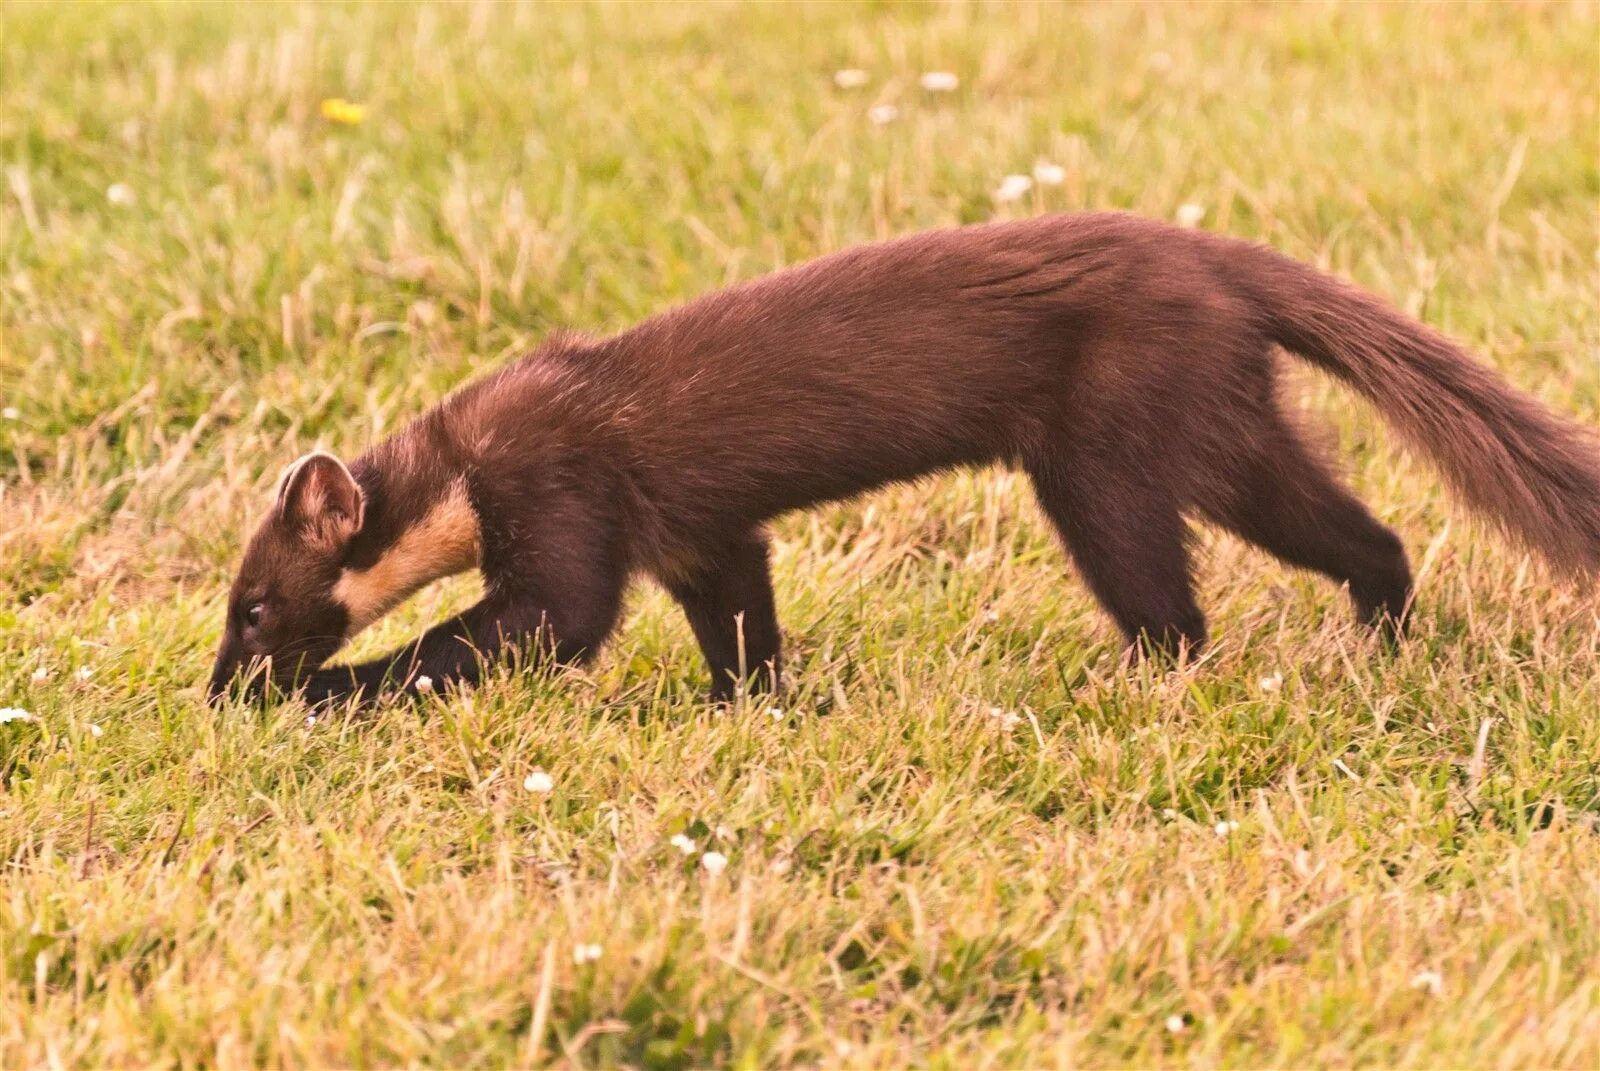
(969, 837)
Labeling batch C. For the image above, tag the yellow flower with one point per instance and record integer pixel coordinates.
(339, 110)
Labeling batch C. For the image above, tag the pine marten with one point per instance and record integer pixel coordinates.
(1125, 365)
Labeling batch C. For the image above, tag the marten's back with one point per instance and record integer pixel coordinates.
(877, 363)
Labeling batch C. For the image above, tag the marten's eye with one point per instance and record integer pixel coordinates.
(252, 616)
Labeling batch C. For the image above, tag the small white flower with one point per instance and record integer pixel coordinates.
(883, 114)
(41, 674)
(683, 844)
(850, 78)
(1048, 174)
(582, 954)
(120, 194)
(1008, 719)
(95, 731)
(11, 412)
(424, 683)
(539, 781)
(1222, 829)
(1168, 813)
(1012, 187)
(939, 81)
(1190, 214)
(1429, 980)
(1175, 1024)
(1271, 684)
(14, 714)
(714, 862)
(85, 673)
(311, 721)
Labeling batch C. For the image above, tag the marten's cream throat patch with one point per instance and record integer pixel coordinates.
(445, 541)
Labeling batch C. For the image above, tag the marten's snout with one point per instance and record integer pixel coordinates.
(221, 677)
(227, 668)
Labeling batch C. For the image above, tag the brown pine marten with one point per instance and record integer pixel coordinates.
(1125, 365)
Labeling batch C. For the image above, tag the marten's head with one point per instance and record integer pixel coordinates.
(284, 616)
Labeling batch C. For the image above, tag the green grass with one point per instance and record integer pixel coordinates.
(911, 879)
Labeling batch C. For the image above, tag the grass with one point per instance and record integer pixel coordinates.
(970, 837)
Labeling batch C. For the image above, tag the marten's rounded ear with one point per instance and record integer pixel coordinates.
(319, 497)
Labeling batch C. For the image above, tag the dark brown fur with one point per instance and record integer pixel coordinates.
(1125, 365)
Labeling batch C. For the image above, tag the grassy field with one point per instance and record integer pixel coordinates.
(967, 836)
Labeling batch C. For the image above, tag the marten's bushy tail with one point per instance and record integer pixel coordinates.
(1533, 473)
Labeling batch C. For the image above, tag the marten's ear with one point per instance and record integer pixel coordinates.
(320, 499)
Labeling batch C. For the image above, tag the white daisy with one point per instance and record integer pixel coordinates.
(539, 781)
(850, 78)
(120, 194)
(714, 862)
(939, 81)
(1175, 1024)
(1431, 981)
(582, 954)
(424, 683)
(684, 844)
(1008, 719)
(41, 674)
(1190, 214)
(1012, 188)
(14, 714)
(883, 114)
(1048, 174)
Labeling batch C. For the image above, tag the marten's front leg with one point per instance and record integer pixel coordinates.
(557, 600)
(452, 652)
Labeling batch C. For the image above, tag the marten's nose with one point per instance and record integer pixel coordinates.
(222, 674)
(218, 688)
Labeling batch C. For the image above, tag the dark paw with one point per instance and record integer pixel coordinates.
(331, 687)
(1170, 646)
(725, 687)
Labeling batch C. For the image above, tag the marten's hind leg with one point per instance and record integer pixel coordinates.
(727, 597)
(1127, 536)
(1280, 497)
